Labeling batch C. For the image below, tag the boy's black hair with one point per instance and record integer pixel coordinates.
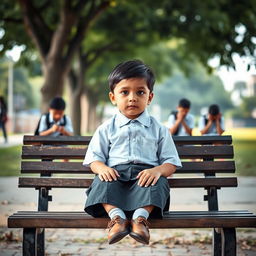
(214, 110)
(184, 103)
(58, 103)
(131, 69)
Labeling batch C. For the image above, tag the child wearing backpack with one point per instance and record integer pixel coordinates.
(181, 122)
(55, 122)
(213, 123)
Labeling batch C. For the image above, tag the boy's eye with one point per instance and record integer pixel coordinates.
(124, 92)
(140, 92)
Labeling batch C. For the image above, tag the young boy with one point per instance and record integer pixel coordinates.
(55, 123)
(213, 124)
(180, 122)
(132, 155)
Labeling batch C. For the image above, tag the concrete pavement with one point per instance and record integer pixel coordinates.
(13, 140)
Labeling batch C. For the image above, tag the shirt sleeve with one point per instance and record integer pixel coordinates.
(191, 121)
(167, 152)
(171, 121)
(69, 126)
(201, 123)
(42, 125)
(222, 123)
(98, 149)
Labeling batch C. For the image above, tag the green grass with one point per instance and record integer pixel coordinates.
(10, 161)
(245, 157)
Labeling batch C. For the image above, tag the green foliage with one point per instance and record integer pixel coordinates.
(246, 108)
(208, 28)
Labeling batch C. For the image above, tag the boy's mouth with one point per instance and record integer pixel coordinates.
(132, 106)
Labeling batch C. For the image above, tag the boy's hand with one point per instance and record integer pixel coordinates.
(108, 174)
(148, 177)
(61, 129)
(211, 118)
(218, 117)
(180, 115)
(55, 128)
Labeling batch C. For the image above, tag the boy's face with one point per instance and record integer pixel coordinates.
(131, 96)
(56, 114)
(183, 111)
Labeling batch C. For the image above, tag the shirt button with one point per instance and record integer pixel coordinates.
(134, 139)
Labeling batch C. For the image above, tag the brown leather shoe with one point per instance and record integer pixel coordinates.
(118, 229)
(140, 230)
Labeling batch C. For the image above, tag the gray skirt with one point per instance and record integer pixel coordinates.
(126, 194)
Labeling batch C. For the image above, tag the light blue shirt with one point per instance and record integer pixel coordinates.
(121, 140)
(189, 120)
(43, 125)
(212, 130)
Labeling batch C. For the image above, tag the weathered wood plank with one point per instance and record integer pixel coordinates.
(85, 183)
(84, 140)
(21, 214)
(202, 140)
(77, 167)
(190, 152)
(169, 221)
(61, 140)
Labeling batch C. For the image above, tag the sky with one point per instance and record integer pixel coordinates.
(230, 76)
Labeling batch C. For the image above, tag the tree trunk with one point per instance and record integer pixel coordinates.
(93, 120)
(76, 112)
(53, 86)
(85, 113)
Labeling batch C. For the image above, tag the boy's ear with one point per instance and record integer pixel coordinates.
(112, 98)
(150, 97)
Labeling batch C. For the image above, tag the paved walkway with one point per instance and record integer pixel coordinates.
(13, 140)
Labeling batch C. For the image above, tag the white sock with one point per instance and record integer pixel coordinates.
(116, 211)
(140, 212)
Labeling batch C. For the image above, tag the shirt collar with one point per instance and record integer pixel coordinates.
(144, 119)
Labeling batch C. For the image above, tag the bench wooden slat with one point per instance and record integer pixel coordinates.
(54, 167)
(202, 140)
(172, 213)
(38, 152)
(84, 140)
(77, 167)
(61, 140)
(170, 220)
(85, 183)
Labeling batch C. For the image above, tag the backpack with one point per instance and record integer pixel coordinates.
(175, 116)
(205, 120)
(48, 123)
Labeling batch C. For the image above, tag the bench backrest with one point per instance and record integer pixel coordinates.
(201, 155)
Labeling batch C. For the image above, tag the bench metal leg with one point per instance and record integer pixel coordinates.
(228, 242)
(29, 242)
(216, 242)
(40, 242)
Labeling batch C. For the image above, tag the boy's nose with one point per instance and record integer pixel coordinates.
(132, 97)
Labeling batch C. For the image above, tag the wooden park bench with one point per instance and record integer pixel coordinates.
(213, 154)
